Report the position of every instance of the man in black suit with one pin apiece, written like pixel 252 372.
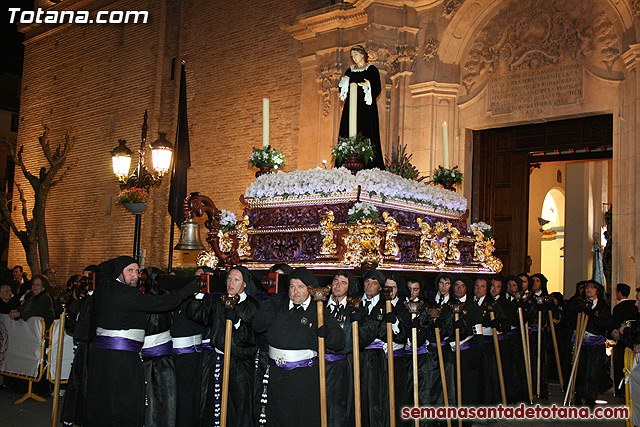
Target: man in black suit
pixel 624 311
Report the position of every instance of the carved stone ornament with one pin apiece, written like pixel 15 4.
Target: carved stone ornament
pixel 391 248
pixel 530 35
pixel 450 7
pixel 363 244
pixel 392 59
pixel 328 78
pixel 430 49
pixel 242 231
pixel 483 251
pixel 635 6
pixel 327 228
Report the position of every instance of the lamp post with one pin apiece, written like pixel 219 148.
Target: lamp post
pixel 161 153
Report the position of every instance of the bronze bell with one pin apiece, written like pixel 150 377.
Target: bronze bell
pixel 190 237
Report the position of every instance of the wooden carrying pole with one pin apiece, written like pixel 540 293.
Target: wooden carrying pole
pixel 229 304
pixel 414 308
pixel 456 310
pixel 525 350
pixel 355 304
pixel 496 346
pixel 391 377
pixel 538 360
pixel 435 313
pixel 56 386
pixel 581 327
pixel 555 350
pixel 320 296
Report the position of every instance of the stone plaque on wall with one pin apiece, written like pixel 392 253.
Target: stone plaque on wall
pixel 532 91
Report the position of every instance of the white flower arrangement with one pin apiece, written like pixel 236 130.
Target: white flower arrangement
pixel 363 210
pixel 266 156
pixel 484 228
pixel 328 182
pixel 227 220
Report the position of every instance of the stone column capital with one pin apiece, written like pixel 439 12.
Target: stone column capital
pixel 631 57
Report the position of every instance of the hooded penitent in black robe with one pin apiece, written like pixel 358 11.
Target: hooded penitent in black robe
pixel 294 394
pixel 116 377
pixel 211 313
pixel 78 323
pixel 158 364
pixel 592 353
pixel 367 118
pixel 373 361
pixel 339 365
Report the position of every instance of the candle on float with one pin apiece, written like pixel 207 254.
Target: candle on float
pixel 353 109
pixel 265 122
pixel 445 144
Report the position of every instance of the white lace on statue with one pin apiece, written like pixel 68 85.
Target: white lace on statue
pixel 344 87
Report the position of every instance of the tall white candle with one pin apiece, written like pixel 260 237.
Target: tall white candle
pixel 265 122
pixel 445 144
pixel 353 109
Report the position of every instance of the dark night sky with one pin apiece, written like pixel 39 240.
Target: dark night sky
pixel 11 49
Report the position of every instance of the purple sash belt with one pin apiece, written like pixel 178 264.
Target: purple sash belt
pixel 292 365
pixel 376 345
pixel 592 340
pixel 185 350
pixel 422 350
pixel 466 345
pixel 329 357
pixel 116 343
pixel 158 350
pixel 442 344
pixel 206 345
pixel 401 352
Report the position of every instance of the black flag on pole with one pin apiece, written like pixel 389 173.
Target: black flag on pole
pixel 181 156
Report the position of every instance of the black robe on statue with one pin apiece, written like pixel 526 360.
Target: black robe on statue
pixel 367 122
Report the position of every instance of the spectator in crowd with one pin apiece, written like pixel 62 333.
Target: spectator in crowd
pixel 623 312
pixel 19 285
pixel 8 301
pixel 37 303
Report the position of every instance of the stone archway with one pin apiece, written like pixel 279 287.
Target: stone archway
pixel 522 62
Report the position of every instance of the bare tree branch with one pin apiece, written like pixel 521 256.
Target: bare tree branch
pixel 55 181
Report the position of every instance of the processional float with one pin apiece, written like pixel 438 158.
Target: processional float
pixel 425 233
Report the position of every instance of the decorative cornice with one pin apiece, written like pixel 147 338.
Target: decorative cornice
pixel 434 88
pixel 343 17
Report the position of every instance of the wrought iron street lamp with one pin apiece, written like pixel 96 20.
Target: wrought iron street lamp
pixel 141 177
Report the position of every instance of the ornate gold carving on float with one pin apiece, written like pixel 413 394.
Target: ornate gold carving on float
pixel 425 251
pixel 363 244
pixel 483 251
pixel 439 243
pixel 327 227
pixel 242 232
pixel 226 241
pixel 391 248
pixel 207 258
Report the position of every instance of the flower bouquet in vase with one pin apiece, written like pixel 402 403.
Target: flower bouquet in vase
pixel 134 199
pixel 266 159
pixel 353 152
pixel 447 177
